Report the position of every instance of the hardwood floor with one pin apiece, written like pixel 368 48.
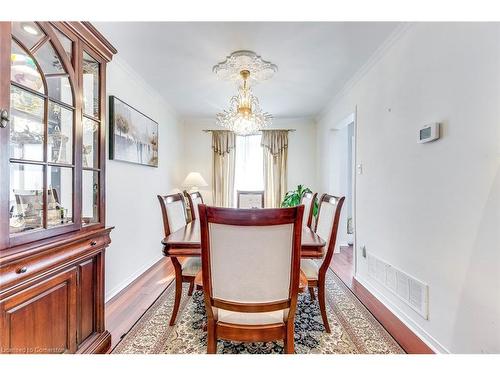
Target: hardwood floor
pixel 343 266
pixel 123 310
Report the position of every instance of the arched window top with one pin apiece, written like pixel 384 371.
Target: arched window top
pixel 36 64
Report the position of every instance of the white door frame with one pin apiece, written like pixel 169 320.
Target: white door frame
pixel 354 178
pixel 352 119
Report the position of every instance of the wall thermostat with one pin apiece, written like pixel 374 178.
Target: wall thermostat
pixel 428 133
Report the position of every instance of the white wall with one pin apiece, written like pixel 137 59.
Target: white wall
pixel 432 210
pixel 131 203
pixel 197 151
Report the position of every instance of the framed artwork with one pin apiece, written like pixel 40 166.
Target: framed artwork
pixel 133 136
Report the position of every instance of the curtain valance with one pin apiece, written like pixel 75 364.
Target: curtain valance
pixel 223 141
pixel 274 140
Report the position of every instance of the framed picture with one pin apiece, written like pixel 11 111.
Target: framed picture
pixel 133 136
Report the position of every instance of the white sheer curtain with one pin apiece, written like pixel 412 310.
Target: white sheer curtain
pixel 249 173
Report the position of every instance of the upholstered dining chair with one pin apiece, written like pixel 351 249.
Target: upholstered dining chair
pixel 174 218
pixel 327 226
pixel 251 268
pixel 308 200
pixel 194 199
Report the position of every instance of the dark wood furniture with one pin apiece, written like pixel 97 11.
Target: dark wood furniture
pixel 243 195
pixel 194 200
pixel 52 102
pixel 190 268
pixel 308 200
pixel 327 225
pixel 186 242
pixel 240 297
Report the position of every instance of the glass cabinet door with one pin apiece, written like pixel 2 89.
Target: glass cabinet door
pixel 51 141
pixel 41 137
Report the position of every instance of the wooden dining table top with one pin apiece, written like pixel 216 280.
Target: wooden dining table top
pixel 186 242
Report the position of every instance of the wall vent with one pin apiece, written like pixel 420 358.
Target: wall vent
pixel 410 290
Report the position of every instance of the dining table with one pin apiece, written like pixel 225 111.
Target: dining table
pixel 186 242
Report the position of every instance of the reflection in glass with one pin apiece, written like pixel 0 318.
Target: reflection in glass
pixel 90 86
pixel 59 196
pixel 49 60
pixel 65 42
pixel 90 141
pixel 25 197
pixel 90 197
pixel 60 134
pixel 23 69
pixel 28 33
pixel 59 88
pixel 26 125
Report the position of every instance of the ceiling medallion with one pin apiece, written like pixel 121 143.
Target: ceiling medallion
pixel 244 115
pixel 231 68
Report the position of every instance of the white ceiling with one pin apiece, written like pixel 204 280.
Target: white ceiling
pixel 314 60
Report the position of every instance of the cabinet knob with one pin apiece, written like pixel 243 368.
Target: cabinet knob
pixel 4 118
pixel 93 243
pixel 22 270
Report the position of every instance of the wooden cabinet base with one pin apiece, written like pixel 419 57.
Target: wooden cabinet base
pixel 56 304
pixel 98 344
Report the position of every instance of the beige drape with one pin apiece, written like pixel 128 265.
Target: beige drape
pixel 223 143
pixel 275 148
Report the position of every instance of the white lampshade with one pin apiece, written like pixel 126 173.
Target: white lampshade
pixel 194 180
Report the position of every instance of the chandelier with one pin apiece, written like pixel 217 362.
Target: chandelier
pixel 244 115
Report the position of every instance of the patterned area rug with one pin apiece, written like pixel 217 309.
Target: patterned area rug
pixel 354 329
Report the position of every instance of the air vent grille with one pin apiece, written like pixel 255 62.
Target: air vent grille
pixel 410 290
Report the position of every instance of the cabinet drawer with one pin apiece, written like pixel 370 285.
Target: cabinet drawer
pixel 41 318
pixel 22 270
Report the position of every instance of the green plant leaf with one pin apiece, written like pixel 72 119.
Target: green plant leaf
pixel 292 198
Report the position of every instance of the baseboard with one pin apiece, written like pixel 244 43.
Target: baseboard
pixel 129 280
pixel 416 329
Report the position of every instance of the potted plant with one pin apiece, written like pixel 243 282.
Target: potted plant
pixel 292 198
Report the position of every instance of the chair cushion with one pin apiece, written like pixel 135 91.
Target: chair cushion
pixel 250 264
pixel 234 317
pixel 310 268
pixel 191 266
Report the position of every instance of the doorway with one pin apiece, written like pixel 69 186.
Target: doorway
pixel 343 183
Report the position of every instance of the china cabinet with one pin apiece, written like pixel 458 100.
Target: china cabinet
pixel 52 194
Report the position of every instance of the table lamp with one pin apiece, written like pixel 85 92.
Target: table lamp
pixel 193 181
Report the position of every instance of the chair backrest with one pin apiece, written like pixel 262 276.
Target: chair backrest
pixel 308 200
pixel 173 212
pixel 251 258
pixel 327 224
pixel 194 199
pixel 250 199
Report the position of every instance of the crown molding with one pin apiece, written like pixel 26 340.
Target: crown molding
pixel 380 52
pixel 99 43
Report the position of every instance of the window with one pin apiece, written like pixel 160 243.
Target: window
pixel 249 167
